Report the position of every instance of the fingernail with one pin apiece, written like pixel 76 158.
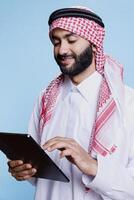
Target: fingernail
pixel 28 166
pixel 34 170
pixel 49 149
pixel 44 146
pixel 20 162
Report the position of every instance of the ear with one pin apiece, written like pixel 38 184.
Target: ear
pixel 94 48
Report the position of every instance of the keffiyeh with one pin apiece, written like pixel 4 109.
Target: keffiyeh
pixel 92 29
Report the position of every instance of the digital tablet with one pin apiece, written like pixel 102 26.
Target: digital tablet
pixel 18 146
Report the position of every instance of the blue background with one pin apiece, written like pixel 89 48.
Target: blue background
pixel 27 64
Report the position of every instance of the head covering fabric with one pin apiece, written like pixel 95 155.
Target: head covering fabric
pixel 75 12
pixel 88 30
pixel 101 140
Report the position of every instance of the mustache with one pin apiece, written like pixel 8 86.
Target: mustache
pixel 64 56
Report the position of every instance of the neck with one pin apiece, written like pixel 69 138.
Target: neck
pixel 86 73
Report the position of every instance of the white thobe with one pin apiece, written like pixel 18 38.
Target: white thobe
pixel 73 117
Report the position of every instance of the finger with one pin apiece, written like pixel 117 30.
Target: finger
pixel 59 145
pixel 67 152
pixel 14 163
pixel 23 178
pixel 20 168
pixel 55 140
pixel 24 174
pixel 20 178
pixel 50 142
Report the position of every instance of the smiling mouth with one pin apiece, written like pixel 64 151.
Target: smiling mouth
pixel 65 60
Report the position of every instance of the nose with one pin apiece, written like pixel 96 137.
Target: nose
pixel 63 48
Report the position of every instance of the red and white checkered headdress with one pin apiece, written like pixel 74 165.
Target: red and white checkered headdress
pixel 89 26
pixel 86 28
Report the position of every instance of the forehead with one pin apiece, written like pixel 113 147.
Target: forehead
pixel 60 33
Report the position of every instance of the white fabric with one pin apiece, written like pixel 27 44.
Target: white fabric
pixel 113 74
pixel 114 178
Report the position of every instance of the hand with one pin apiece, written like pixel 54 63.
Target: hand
pixel 74 153
pixel 20 171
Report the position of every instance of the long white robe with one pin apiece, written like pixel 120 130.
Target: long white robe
pixel 73 117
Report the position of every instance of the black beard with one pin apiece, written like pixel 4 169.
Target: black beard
pixel 82 62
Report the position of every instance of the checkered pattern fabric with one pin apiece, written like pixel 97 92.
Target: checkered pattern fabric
pixel 94 33
pixel 48 101
pixel 89 30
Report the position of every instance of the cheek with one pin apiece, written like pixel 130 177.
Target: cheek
pixel 84 47
pixel 78 49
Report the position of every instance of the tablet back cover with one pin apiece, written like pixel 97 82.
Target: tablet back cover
pixel 18 146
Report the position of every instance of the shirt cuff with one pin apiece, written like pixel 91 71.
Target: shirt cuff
pixel 103 180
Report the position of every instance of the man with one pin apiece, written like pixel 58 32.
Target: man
pixel 84 118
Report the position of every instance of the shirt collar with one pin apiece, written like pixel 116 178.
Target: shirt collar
pixel 87 87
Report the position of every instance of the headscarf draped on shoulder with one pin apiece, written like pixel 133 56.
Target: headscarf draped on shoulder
pixel 88 25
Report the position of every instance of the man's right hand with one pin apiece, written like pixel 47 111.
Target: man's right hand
pixel 21 171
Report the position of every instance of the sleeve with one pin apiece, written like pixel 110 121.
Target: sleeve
pixel 115 180
pixel 33 127
pixel 112 180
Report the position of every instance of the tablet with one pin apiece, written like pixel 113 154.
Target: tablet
pixel 19 146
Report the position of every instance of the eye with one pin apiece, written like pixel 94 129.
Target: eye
pixel 55 42
pixel 72 39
